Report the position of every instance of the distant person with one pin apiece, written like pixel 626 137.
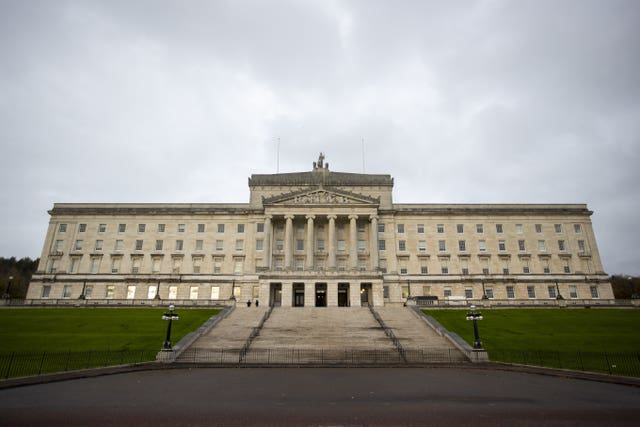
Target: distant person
pixel 248 303
pixel 257 303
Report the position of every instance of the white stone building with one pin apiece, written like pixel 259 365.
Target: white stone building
pixel 320 238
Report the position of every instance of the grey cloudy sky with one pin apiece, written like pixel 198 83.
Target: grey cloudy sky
pixel 460 101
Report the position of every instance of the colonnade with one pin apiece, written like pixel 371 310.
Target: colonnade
pixel 331 251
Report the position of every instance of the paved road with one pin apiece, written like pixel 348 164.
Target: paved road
pixel 324 396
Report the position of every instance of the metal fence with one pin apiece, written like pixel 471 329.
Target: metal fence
pixel 626 364
pixel 32 364
pixel 320 357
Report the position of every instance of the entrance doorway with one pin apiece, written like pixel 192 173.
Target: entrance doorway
pixel 321 294
pixel 275 295
pixel 365 295
pixel 298 294
pixel 343 295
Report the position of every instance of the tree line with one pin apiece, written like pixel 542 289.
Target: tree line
pixel 15 275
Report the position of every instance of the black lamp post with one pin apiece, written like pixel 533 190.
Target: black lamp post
pixel 158 291
pixel 558 296
pixel 7 293
pixel 475 316
pixel 170 316
pixel 84 287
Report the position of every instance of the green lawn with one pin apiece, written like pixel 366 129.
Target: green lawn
pixel 95 329
pixel 603 340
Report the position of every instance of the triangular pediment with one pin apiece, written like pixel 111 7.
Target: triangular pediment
pixel 321 196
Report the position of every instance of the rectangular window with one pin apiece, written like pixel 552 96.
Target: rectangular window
pixel 131 292
pixel 200 228
pixel 240 228
pixel 557 228
pixel 479 228
pixel 362 264
pixel 179 245
pixel 82 228
pixel 442 245
pixel 102 228
pixel 298 264
pixel 531 292
pixel 510 292
pixel 341 245
pixel 402 245
pixel 135 265
pixel 465 271
pixel 538 228
pixel 400 228
pixel 519 229
pixel 440 228
pixel 66 291
pixel 468 293
pixel 173 292
pixel 239 244
pixel 199 245
pixel 78 245
pixel 46 291
pixel 362 246
pixel 420 229
pixel 219 245
pixel 552 291
pixel 594 291
pixel 260 227
pixel 447 292
pixel 99 244
pixel 122 228
pixel 489 292
pixel 403 270
pixel 577 228
pixel 155 265
pixel 573 291
pixel 279 245
pixel 545 266
pixel 193 292
pixel 405 291
pixel 482 245
pixel 561 246
pixel 380 228
pixel 217 265
pixel 444 269
pixel 62 228
pixel 151 291
pixel 499 229
pixel 141 228
pixel 259 244
pixel 110 290
pixel 383 266
pixel 381 245
pixel 94 265
pixel 74 264
pixel 567 267
pixel 161 228
pixel 220 228
pixel 57 246
pixel 320 245
pixel 462 245
pixel 460 228
pixel 385 292
pixel 138 245
pixel 542 246
pixel 424 269
pixel 299 244
pixel 159 244
pixel 88 291
pixel 581 246
pixel 237 266
pixel 422 246
pixel 215 292
pixel 521 246
pixel 115 264
pixel 256 292
pixel 502 246
pixel 181 228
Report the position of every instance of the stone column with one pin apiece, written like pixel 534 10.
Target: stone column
pixel 310 245
pixel 354 294
pixel 288 242
pixel 353 242
pixel 373 245
pixel 267 242
pixel 332 294
pixel 331 259
pixel 309 294
pixel 287 294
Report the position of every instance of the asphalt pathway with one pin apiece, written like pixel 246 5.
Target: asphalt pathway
pixel 321 397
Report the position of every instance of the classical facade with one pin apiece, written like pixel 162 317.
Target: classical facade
pixel 320 238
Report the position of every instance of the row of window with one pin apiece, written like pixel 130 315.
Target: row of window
pixel 482 245
pixel 180 228
pixel 159 245
pixel 151 292
pixel 519 228
pixel 531 292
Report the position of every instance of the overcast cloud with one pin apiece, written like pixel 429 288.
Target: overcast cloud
pixel 460 101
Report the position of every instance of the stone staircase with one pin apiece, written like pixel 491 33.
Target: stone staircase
pixel 321 335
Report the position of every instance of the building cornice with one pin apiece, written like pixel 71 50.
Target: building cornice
pixel 153 209
pixel 488 209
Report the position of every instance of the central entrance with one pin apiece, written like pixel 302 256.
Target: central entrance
pixel 275 295
pixel 321 294
pixel 298 294
pixel 343 295
pixel 365 294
